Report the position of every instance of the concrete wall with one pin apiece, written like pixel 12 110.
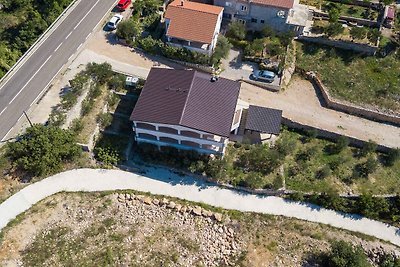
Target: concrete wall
pixel 348 108
pixel 359 48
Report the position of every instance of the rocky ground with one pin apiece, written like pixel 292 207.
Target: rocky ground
pixel 130 229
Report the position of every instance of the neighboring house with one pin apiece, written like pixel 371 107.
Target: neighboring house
pixel 187 109
pixel 281 15
pixel 192 25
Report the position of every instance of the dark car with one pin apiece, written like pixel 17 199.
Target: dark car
pixel 123 4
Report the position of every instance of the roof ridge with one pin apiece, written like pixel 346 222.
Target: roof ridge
pixel 196 10
pixel 187 97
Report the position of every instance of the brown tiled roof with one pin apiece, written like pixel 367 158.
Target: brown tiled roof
pixel 287 4
pixel 188 98
pixel 264 120
pixel 192 21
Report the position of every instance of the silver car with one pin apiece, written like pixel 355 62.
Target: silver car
pixel 112 24
pixel 264 75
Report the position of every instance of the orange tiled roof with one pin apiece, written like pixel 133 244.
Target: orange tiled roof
pixel 192 21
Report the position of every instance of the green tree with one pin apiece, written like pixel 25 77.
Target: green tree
pixel 373 35
pixel 358 33
pixel 334 14
pixel 334 29
pixel 221 50
pixel 255 48
pixel 344 255
pixel 128 30
pixel 268 31
pixel 372 207
pixel 368 148
pixel 42 150
pixel 341 143
pixel 392 156
pixel 237 30
pixel 100 73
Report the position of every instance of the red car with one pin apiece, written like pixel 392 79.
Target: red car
pixel 123 4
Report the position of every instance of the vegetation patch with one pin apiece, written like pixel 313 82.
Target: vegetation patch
pixel 362 80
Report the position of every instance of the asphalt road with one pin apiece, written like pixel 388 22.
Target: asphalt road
pixel 25 86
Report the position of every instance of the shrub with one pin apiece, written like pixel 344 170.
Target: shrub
pixel 372 207
pixel 41 150
pixel 373 35
pixel 368 148
pixel 334 29
pixel 117 82
pixel 221 50
pixel 100 73
pixel 94 91
pixel 68 100
pixel 323 173
pixel 76 125
pixel 107 155
pixel 253 180
pixel 57 118
pixel 268 31
pixel 366 168
pixel 392 156
pixel 236 30
pixel 341 143
pixel 255 48
pixel 343 254
pixel 87 106
pixel 128 30
pixel 358 33
pixel 104 119
pixel 112 100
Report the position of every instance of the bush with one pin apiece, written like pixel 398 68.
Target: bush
pixel 107 156
pixel 76 125
pixel 100 73
pixel 255 48
pixel 368 148
pixel 373 35
pixel 341 143
pixel 334 29
pixel 358 33
pixel 42 150
pixel 221 50
pixel 253 180
pixel 57 118
pixel 87 106
pixel 365 169
pixel 104 119
pixel 392 156
pixel 236 30
pixel 112 100
pixel 128 30
pixel 117 82
pixel 68 100
pixel 343 254
pixel 323 173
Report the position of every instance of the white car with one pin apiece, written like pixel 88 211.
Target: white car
pixel 112 24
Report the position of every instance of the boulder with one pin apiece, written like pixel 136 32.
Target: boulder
pixel 147 200
pixel 197 211
pixel 217 217
pixel 171 205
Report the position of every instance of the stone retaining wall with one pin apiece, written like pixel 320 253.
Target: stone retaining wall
pixel 348 108
pixel 359 48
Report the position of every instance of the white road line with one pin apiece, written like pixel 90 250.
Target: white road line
pixel 3 110
pixel 79 46
pixel 70 57
pixel 90 10
pixel 69 34
pixel 4 138
pixel 33 76
pixel 58 47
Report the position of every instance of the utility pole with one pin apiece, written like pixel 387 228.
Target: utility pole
pixel 26 115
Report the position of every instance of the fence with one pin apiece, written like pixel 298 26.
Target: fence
pixel 348 108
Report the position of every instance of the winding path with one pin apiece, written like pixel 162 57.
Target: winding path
pixel 189 189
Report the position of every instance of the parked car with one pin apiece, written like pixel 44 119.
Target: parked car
pixel 123 4
pixel 263 75
pixel 112 24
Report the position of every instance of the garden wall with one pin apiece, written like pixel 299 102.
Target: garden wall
pixel 207 69
pixel 348 108
pixel 360 21
pixel 268 86
pixel 360 48
pixel 332 136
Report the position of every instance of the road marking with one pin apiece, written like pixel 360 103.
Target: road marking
pixel 58 47
pixel 90 10
pixel 33 76
pixel 3 110
pixel 79 46
pixel 69 34
pixel 70 57
pixel 4 138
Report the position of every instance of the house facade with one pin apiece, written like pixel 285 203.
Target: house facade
pixel 187 110
pixel 193 25
pixel 281 15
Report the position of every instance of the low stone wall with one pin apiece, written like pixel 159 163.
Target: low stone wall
pixel 359 3
pixel 348 108
pixel 360 48
pixel 332 136
pixel 207 69
pixel 360 21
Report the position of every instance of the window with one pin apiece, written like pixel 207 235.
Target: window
pixel 242 21
pixel 262 21
pixel 253 20
pixel 243 8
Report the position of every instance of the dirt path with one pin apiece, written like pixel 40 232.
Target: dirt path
pixel 300 103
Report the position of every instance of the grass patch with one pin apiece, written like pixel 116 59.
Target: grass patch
pixel 351 77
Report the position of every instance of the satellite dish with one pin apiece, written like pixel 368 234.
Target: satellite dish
pixel 281 13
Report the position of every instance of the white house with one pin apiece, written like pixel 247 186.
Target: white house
pixel 281 15
pixel 192 25
pixel 187 109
